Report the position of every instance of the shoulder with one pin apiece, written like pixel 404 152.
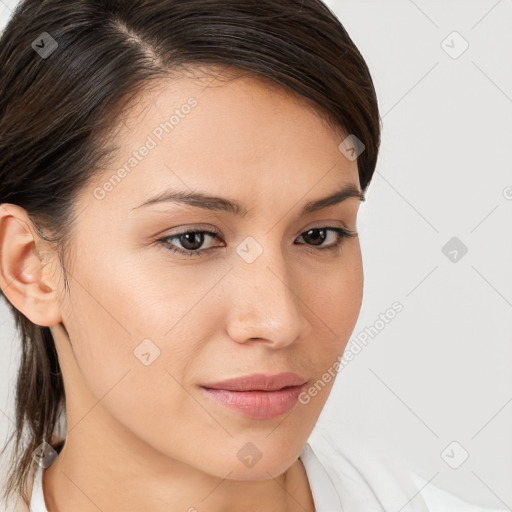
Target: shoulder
pixel 358 470
pixel 439 500
pixel 364 476
pixel 18 505
pixel 34 477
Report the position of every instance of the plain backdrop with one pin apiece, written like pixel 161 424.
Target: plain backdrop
pixel 435 383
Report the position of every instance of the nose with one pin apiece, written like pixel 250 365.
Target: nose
pixel 265 301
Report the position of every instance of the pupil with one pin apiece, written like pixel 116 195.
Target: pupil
pixel 187 243
pixel 318 230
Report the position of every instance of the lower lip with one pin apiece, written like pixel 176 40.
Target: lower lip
pixel 257 404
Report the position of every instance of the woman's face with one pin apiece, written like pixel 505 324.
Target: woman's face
pixel 149 326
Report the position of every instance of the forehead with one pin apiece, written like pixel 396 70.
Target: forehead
pixel 211 132
pixel 232 96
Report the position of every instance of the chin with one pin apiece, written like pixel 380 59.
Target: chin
pixel 253 463
pixel 258 472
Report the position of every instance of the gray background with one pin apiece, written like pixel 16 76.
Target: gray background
pixel 440 371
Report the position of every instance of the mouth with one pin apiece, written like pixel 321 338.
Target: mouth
pixel 259 382
pixel 257 396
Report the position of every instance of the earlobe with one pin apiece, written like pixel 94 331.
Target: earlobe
pixel 23 277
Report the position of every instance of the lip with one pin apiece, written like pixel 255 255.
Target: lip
pixel 259 382
pixel 258 396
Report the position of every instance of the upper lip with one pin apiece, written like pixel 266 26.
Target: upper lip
pixel 259 381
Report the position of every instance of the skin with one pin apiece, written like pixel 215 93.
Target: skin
pixel 145 438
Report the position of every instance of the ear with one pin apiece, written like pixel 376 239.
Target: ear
pixel 26 281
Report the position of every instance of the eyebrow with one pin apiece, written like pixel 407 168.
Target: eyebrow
pixel 216 203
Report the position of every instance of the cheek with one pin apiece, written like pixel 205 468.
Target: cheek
pixel 335 295
pixel 115 328
pixel 142 391
pixel 136 336
pixel 151 404
pixel 334 300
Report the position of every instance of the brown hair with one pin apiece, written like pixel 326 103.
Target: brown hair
pixel 58 112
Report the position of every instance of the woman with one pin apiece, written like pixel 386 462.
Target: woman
pixel 180 183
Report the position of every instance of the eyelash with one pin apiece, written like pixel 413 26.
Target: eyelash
pixel 336 247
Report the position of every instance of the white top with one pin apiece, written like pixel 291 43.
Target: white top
pixel 339 484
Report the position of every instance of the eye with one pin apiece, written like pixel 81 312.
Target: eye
pixel 191 241
pixel 319 234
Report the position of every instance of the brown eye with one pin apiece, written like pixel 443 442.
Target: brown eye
pixel 190 242
pixel 316 236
